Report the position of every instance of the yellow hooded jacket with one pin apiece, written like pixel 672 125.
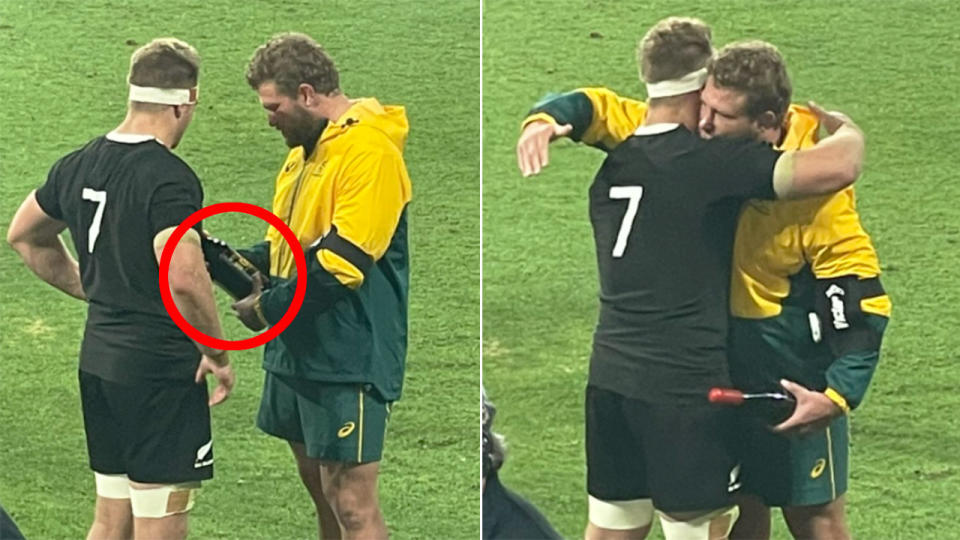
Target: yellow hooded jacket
pixel 346 203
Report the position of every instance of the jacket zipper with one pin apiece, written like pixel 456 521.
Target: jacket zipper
pixel 293 199
pixel 296 191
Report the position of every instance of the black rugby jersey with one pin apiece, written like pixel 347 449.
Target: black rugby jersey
pixel 663 208
pixel 115 194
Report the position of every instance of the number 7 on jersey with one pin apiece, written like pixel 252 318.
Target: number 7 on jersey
pixel 633 194
pixel 99 197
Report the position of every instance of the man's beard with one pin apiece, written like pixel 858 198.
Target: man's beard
pixel 306 133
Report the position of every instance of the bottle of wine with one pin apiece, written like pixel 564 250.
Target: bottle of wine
pixel 228 269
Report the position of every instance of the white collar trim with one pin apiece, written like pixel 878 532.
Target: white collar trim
pixel 131 138
pixel 655 129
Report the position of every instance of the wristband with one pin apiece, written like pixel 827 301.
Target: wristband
pixel 839 400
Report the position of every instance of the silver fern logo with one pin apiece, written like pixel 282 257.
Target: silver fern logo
pixel 204 455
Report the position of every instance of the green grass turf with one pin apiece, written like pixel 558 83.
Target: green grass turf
pixel 892 67
pixel 63 70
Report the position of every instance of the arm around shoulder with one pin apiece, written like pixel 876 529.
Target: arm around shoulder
pixel 831 165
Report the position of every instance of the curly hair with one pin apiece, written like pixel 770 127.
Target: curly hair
pixel 291 59
pixel 757 69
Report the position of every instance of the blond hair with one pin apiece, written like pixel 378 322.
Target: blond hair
pixel 163 63
pixel 673 48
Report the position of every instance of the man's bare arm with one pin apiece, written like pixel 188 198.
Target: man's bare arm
pixel 191 287
pixel 36 237
pixel 831 165
pixel 192 292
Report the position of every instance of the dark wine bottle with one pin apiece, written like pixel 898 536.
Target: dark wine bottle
pixel 228 269
pixel 771 409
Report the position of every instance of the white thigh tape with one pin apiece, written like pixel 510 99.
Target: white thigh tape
pixel 620 515
pixel 112 486
pixel 162 501
pixel 714 525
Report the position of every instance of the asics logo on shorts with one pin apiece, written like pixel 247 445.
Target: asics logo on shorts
pixel 204 457
pixel 818 468
pixel 346 430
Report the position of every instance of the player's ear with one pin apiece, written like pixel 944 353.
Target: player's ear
pixel 307 94
pixel 767 120
pixel 177 111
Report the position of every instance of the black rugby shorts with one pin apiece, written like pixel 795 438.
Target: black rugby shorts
pixel 681 456
pixel 153 433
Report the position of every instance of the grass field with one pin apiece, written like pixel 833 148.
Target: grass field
pixel 63 83
pixel 891 66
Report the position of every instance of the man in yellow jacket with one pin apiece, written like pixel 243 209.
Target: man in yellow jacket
pixel 343 190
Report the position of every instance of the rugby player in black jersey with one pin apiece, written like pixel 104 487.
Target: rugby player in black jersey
pixel 144 398
pixel 663 208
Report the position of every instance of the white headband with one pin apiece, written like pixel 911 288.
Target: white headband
pixel 163 96
pixel 674 87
